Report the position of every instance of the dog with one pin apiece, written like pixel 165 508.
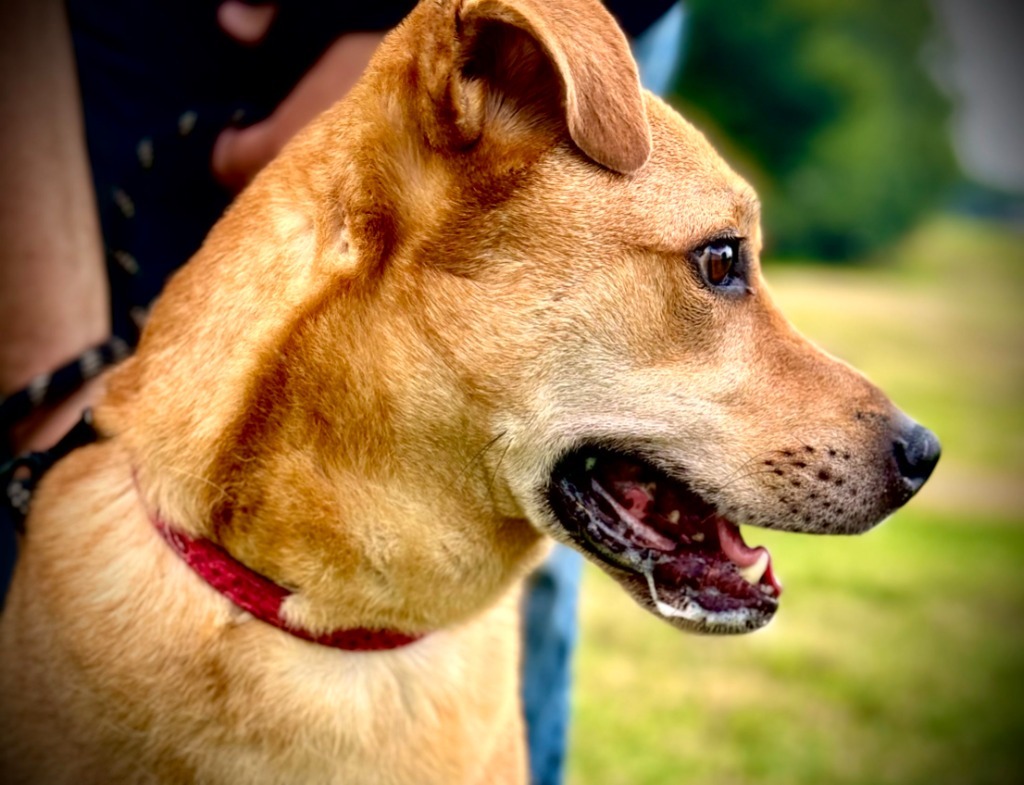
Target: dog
pixel 498 296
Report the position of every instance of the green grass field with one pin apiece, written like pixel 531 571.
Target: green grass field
pixel 896 657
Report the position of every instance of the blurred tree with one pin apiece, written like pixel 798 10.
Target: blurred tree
pixel 828 109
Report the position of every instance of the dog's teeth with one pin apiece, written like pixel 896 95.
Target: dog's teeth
pixel 663 607
pixel 673 517
pixel 590 464
pixel 698 537
pixel 756 571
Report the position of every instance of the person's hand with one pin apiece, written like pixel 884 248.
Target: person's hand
pixel 240 153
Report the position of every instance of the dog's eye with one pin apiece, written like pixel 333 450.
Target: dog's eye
pixel 717 260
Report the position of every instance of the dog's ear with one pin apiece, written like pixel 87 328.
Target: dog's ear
pixel 569 61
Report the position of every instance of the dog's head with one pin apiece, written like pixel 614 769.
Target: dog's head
pixel 598 285
pixel 540 309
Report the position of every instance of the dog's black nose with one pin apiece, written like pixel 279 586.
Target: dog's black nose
pixel 917 450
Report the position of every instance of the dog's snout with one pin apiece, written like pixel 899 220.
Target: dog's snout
pixel 916 450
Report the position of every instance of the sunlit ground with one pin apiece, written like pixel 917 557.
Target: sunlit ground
pixel 896 657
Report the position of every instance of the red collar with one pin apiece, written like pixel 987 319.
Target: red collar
pixel 261 597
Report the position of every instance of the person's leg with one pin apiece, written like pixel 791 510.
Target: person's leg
pixel 659 51
pixel 549 641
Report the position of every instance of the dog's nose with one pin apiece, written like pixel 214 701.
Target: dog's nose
pixel 916 450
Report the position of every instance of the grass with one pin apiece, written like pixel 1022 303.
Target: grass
pixel 897 657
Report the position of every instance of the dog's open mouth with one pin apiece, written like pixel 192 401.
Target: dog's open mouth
pixel 666 544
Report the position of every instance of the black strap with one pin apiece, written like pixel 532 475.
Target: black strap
pixel 20 475
pixel 47 389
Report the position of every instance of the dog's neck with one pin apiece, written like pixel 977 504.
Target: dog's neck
pixel 322 473
pixel 264 599
pixel 288 405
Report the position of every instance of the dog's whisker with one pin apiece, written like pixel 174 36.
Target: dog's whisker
pixel 497 467
pixel 193 476
pixel 473 461
pixel 740 471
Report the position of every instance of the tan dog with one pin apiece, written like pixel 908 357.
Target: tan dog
pixel 497 293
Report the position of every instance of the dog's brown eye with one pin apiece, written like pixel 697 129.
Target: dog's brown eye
pixel 717 260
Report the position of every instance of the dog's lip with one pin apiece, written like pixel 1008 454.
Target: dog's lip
pixel 658 537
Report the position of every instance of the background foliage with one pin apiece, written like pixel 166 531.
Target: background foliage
pixel 828 109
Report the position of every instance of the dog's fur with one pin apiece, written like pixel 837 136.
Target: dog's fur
pixel 359 386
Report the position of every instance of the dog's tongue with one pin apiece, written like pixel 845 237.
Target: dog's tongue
pixel 741 554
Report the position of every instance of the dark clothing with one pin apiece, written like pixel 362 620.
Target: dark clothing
pixel 160 80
